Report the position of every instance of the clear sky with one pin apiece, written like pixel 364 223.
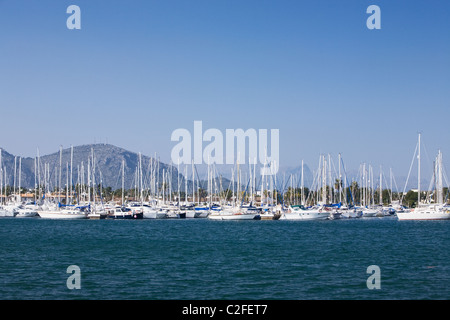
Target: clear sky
pixel 137 70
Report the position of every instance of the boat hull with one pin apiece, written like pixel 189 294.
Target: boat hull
pixel 126 216
pixel 62 215
pixel 24 213
pixel 305 215
pixel 155 215
pixel 369 213
pixel 270 216
pixel 235 216
pixel 424 215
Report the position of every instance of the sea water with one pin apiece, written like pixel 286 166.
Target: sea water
pixel 204 259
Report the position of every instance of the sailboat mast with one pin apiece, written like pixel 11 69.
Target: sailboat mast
pixel 1 178
pixel 35 186
pixel 193 183
pixel 60 173
pixel 418 175
pixel 71 172
pixel 20 176
pixel 178 182
pixel 381 186
pixel 39 172
pixel 67 183
pixel 185 184
pixel 123 180
pixel 390 181
pixel 340 178
pixel 303 192
pixel 15 170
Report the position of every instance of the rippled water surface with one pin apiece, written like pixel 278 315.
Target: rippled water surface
pixel 204 259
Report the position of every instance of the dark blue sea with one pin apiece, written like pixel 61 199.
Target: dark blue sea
pixel 237 260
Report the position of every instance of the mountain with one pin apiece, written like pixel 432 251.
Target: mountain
pixel 107 160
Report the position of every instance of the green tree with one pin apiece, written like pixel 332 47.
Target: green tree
pixel 410 199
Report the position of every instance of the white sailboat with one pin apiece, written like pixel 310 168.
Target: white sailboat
pixel 436 211
pixel 63 214
pixel 317 212
pixel 298 213
pixel 235 213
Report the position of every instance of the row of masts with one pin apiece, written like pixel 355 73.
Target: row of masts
pixel 330 185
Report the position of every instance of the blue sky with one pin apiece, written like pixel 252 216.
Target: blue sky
pixel 137 70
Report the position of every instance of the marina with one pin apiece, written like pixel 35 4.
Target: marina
pixel 215 156
pixel 330 196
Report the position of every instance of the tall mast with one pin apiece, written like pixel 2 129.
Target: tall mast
pixel 15 170
pixel 123 180
pixel 324 180
pixel 439 191
pixel 232 184
pixel 390 182
pixel 329 180
pixel 418 180
pixel 262 183
pixel 178 182
pixel 35 179
pixel 193 183
pixel 141 186
pixel 303 193
pixel 1 177
pixel 67 183
pixel 340 178
pixel 185 184
pixel 381 187
pixel 71 172
pixel 60 173
pixel 20 175
pixel 39 173
pixel 93 177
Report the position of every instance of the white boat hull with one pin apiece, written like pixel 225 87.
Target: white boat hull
pixel 369 213
pixel 62 215
pixel 25 213
pixel 234 216
pixel 305 215
pixel 424 214
pixel 155 215
pixel 351 214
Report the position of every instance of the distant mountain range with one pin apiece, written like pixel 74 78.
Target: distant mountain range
pixel 107 160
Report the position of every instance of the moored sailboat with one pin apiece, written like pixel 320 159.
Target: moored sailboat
pixel 436 211
pixel 63 214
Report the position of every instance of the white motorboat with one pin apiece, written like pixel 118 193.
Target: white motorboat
pixel 370 212
pixel 155 213
pixel 121 212
pixel 26 213
pixel 351 213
